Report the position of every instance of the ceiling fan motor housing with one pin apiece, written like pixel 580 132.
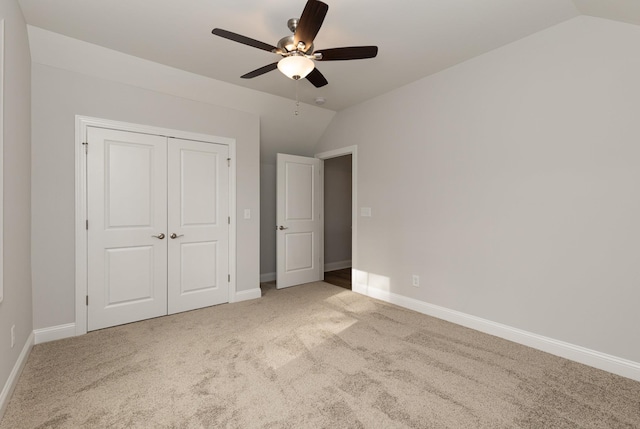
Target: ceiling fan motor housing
pixel 287 44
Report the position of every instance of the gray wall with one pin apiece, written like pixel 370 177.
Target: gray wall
pixel 510 184
pixel 337 209
pixel 59 95
pixel 267 219
pixel 16 307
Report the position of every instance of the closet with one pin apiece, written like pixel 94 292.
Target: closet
pixel 157 228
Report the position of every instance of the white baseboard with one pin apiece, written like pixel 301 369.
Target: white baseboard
pixel 10 385
pixel 55 333
pixel 246 295
pixel 613 364
pixel 340 265
pixel 267 277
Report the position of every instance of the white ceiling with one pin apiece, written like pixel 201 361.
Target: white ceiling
pixel 416 38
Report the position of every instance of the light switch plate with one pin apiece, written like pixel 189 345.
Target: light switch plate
pixel 247 213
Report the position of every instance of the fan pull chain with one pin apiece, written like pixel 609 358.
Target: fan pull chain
pixel 297 112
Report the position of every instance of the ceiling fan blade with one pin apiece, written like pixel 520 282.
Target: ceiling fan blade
pixel 242 39
pixel 316 78
pixel 310 22
pixel 350 53
pixel 260 71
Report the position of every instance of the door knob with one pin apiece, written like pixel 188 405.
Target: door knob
pixel 282 227
pixel 160 236
pixel 173 236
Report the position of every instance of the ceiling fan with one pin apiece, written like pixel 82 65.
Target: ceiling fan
pixel 297 49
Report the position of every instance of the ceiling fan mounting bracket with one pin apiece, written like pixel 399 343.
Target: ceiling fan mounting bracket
pixel 292 24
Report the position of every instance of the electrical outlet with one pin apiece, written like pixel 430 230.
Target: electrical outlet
pixel 415 280
pixel 13 335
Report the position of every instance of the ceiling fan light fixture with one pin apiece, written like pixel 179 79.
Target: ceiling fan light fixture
pixel 296 66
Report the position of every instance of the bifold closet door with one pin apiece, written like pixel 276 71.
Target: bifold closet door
pixel 127 215
pixel 198 232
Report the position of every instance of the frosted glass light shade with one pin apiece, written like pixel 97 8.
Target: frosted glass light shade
pixel 296 66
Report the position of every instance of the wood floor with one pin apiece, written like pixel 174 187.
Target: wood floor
pixel 340 278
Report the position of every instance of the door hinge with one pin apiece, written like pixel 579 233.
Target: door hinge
pixel 229 162
pixel 229 220
pixel 229 278
pixel 87 224
pixel 86 147
pixel 87 299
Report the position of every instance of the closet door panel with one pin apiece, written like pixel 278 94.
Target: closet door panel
pixel 198 177
pixel 127 214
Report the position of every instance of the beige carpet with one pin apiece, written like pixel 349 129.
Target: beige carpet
pixel 313 356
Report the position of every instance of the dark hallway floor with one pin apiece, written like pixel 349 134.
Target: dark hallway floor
pixel 340 278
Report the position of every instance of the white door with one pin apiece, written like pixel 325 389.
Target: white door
pixel 198 225
pixel 127 208
pixel 298 220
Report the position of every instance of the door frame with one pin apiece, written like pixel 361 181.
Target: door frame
pixel 353 151
pixel 81 233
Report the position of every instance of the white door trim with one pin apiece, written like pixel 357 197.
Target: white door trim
pixel 82 122
pixel 353 151
pixel 1 162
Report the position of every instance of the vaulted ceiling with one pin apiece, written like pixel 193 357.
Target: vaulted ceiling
pixel 416 38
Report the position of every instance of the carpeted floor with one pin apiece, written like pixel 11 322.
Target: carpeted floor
pixel 312 356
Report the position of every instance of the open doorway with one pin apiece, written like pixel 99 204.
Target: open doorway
pixel 300 251
pixel 338 205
